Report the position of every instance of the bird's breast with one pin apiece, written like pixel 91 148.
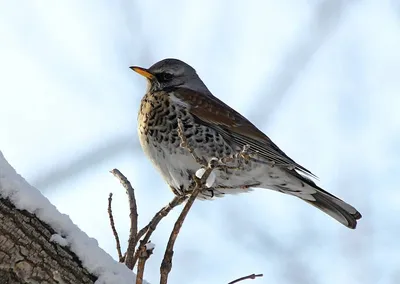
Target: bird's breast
pixel 158 120
pixel 158 134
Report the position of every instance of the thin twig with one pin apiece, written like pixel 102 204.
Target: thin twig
pixel 138 236
pixel 251 276
pixel 133 215
pixel 149 229
pixel 114 230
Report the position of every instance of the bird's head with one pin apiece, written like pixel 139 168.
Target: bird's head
pixel 170 73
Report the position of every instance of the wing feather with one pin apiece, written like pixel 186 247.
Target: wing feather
pixel 214 113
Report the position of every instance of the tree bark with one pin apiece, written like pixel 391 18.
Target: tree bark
pixel 28 256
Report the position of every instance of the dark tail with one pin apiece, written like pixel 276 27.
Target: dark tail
pixel 330 204
pixel 336 208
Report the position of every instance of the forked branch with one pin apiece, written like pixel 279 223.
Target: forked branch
pixel 129 255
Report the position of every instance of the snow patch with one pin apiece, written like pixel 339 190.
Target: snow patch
pixel 211 178
pixel 56 238
pixel 93 258
pixel 150 246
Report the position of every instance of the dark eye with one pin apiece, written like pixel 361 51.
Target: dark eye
pixel 165 77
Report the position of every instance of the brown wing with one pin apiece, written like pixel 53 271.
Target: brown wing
pixel 229 123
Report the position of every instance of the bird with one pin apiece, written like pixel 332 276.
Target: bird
pixel 176 96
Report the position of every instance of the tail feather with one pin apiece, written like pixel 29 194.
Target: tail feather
pixel 330 204
pixel 336 208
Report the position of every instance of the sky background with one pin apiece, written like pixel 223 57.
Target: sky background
pixel 320 77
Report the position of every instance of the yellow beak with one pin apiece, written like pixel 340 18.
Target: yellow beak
pixel 142 71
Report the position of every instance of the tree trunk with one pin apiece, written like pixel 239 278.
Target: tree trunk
pixel 28 256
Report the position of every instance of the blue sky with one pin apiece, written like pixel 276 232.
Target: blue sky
pixel 319 77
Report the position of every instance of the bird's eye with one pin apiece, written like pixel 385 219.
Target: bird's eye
pixel 164 77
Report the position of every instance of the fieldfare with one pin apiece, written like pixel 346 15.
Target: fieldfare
pixel 214 130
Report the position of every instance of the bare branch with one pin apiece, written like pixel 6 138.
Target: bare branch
pixel 132 241
pixel 114 230
pixel 149 229
pixel 144 254
pixel 140 270
pixel 166 264
pixel 142 232
pixel 251 276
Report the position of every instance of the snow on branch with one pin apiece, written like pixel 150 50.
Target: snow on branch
pixel 25 198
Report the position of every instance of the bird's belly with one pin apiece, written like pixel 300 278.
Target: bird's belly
pixel 177 166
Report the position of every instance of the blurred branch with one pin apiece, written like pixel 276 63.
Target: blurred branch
pixel 68 169
pixel 137 31
pixel 96 155
pixel 323 23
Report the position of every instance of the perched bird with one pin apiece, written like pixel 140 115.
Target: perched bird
pixel 213 129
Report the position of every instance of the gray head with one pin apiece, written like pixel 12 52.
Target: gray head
pixel 170 73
